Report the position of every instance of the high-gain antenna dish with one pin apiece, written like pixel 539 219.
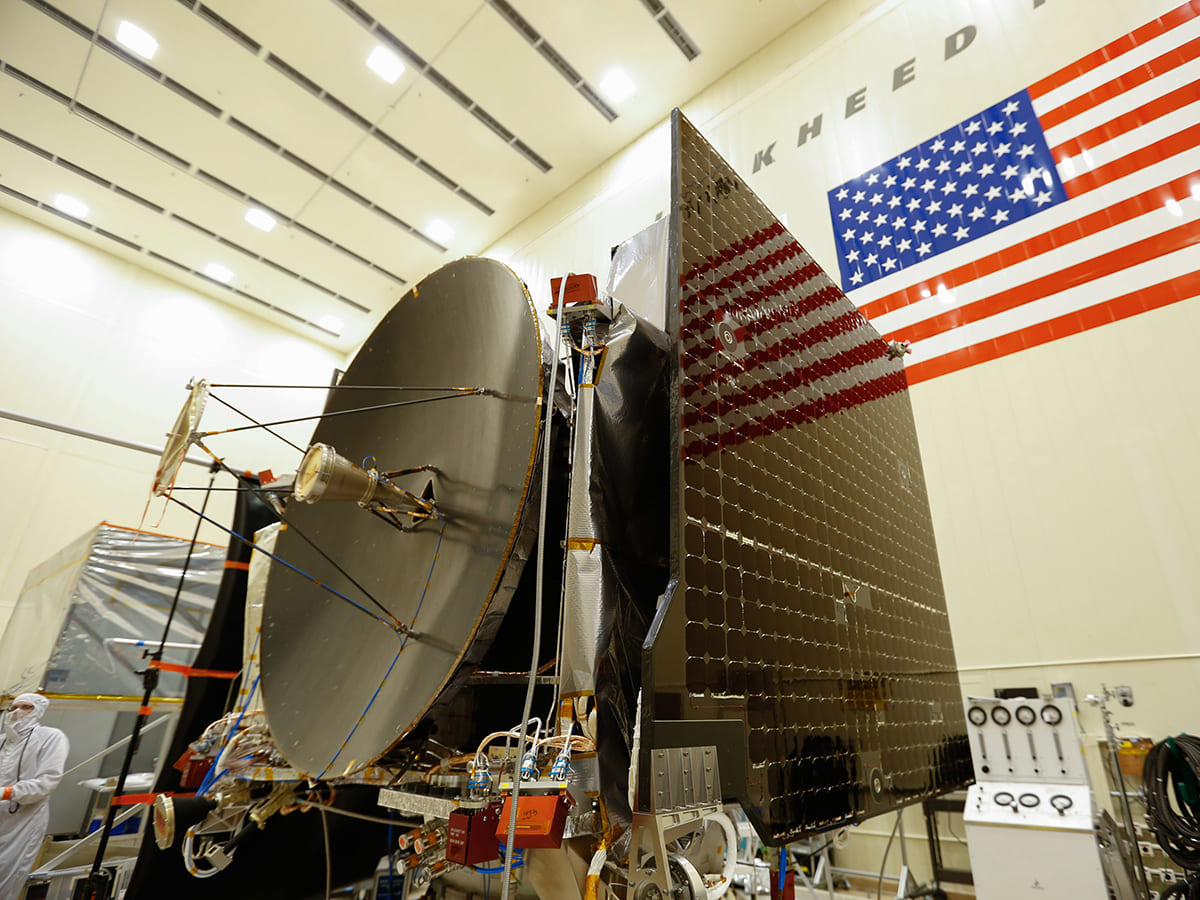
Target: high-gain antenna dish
pixel 429 579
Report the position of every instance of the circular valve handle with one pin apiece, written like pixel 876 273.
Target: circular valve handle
pixel 1061 803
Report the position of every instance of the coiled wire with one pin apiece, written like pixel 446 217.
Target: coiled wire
pixel 1173 798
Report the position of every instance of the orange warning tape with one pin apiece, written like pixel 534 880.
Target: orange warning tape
pixel 145 710
pixel 189 672
pixel 234 564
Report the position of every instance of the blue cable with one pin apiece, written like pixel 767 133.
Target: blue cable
pixel 404 641
pixel 302 573
pixel 205 783
pixel 282 562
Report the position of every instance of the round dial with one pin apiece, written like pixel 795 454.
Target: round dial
pixel 1061 802
pixel 309 472
pixel 977 715
pixel 1004 798
pixel 1029 800
pixel 1026 715
pixel 1001 715
pixel 1051 715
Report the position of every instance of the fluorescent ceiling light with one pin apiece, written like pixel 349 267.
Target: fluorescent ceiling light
pixel 218 272
pixel 616 86
pixel 137 40
pixel 440 231
pixel 72 206
pixel 386 64
pixel 261 220
pixel 332 323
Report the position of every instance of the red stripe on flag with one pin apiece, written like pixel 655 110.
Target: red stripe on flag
pixel 1116 48
pixel 1085 226
pixel 1172 145
pixel 1142 300
pixel 1123 124
pixel 1072 276
pixel 1160 65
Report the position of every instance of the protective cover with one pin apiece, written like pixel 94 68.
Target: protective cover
pixel 111 583
pixel 627 494
pixel 805 634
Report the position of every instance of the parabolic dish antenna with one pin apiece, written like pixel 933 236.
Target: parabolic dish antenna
pixel 341 685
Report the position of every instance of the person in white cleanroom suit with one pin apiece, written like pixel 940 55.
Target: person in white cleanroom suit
pixel 32 757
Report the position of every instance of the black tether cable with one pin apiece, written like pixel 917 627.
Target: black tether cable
pixel 98 883
pixel 1172 788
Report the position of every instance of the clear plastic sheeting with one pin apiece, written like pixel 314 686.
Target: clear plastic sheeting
pixel 86 615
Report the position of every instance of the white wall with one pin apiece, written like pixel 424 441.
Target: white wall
pixel 99 344
pixel 1062 480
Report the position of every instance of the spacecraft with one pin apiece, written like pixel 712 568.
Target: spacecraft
pixel 585 608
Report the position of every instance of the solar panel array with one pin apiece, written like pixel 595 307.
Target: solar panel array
pixel 809 603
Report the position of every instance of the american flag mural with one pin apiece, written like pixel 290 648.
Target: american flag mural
pixel 1069 205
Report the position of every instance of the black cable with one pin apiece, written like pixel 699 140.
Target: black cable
pixel 258 492
pixel 255 421
pixel 1173 798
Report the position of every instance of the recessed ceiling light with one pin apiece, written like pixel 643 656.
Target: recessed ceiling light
pixel 440 231
pixel 137 39
pixel 218 272
pixel 263 221
pixel 616 86
pixel 332 323
pixel 386 64
pixel 72 206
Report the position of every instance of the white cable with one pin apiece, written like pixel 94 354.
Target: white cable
pixel 635 753
pixel 537 593
pixel 345 812
pixel 329 858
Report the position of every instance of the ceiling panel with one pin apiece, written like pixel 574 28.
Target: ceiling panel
pixel 346 222
pixel 466 151
pixel 38 46
pixel 271 103
pixel 499 68
pixel 227 75
pixel 122 218
pixel 410 20
pixel 372 171
pixel 47 127
pixel 320 40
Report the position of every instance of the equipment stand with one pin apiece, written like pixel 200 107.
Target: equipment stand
pixel 98 884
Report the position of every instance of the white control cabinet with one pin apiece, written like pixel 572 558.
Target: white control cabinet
pixel 1030 815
